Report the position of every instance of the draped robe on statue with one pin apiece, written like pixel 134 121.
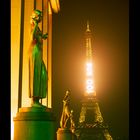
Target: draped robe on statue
pixel 37 70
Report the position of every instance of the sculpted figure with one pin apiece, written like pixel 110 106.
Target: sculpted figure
pixel 37 70
pixel 66 111
pixel 72 121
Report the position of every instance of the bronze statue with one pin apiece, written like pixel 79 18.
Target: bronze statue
pixel 72 121
pixel 66 112
pixel 37 70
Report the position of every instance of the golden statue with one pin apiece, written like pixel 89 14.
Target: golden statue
pixel 37 70
pixel 66 112
pixel 72 121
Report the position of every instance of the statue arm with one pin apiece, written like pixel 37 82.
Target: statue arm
pixel 44 36
pixel 66 97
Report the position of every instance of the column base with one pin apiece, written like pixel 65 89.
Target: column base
pixel 34 123
pixel 64 134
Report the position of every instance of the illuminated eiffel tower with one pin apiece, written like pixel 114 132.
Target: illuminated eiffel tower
pixel 91 125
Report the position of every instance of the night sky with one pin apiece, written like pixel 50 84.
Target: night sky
pixel 109 23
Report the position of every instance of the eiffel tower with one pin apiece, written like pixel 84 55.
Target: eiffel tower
pixel 91 125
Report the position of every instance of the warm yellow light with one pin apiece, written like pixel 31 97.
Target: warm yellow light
pixel 15 37
pixel 89 69
pixel 89 86
pixel 55 5
pixel 90 89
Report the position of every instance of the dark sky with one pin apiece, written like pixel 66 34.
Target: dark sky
pixel 109 23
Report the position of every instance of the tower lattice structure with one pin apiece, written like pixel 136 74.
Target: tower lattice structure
pixel 91 125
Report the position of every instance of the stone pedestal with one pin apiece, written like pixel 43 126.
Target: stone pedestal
pixel 64 134
pixel 34 123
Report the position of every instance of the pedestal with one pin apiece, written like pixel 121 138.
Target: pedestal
pixel 34 123
pixel 64 134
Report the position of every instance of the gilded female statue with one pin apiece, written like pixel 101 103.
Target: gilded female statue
pixel 66 113
pixel 37 70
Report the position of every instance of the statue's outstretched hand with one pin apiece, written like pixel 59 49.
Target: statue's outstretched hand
pixel 45 36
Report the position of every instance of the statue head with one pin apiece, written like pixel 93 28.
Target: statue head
pixel 67 92
pixel 71 112
pixel 36 15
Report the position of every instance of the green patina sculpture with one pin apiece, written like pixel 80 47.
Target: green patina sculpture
pixel 66 113
pixel 37 70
